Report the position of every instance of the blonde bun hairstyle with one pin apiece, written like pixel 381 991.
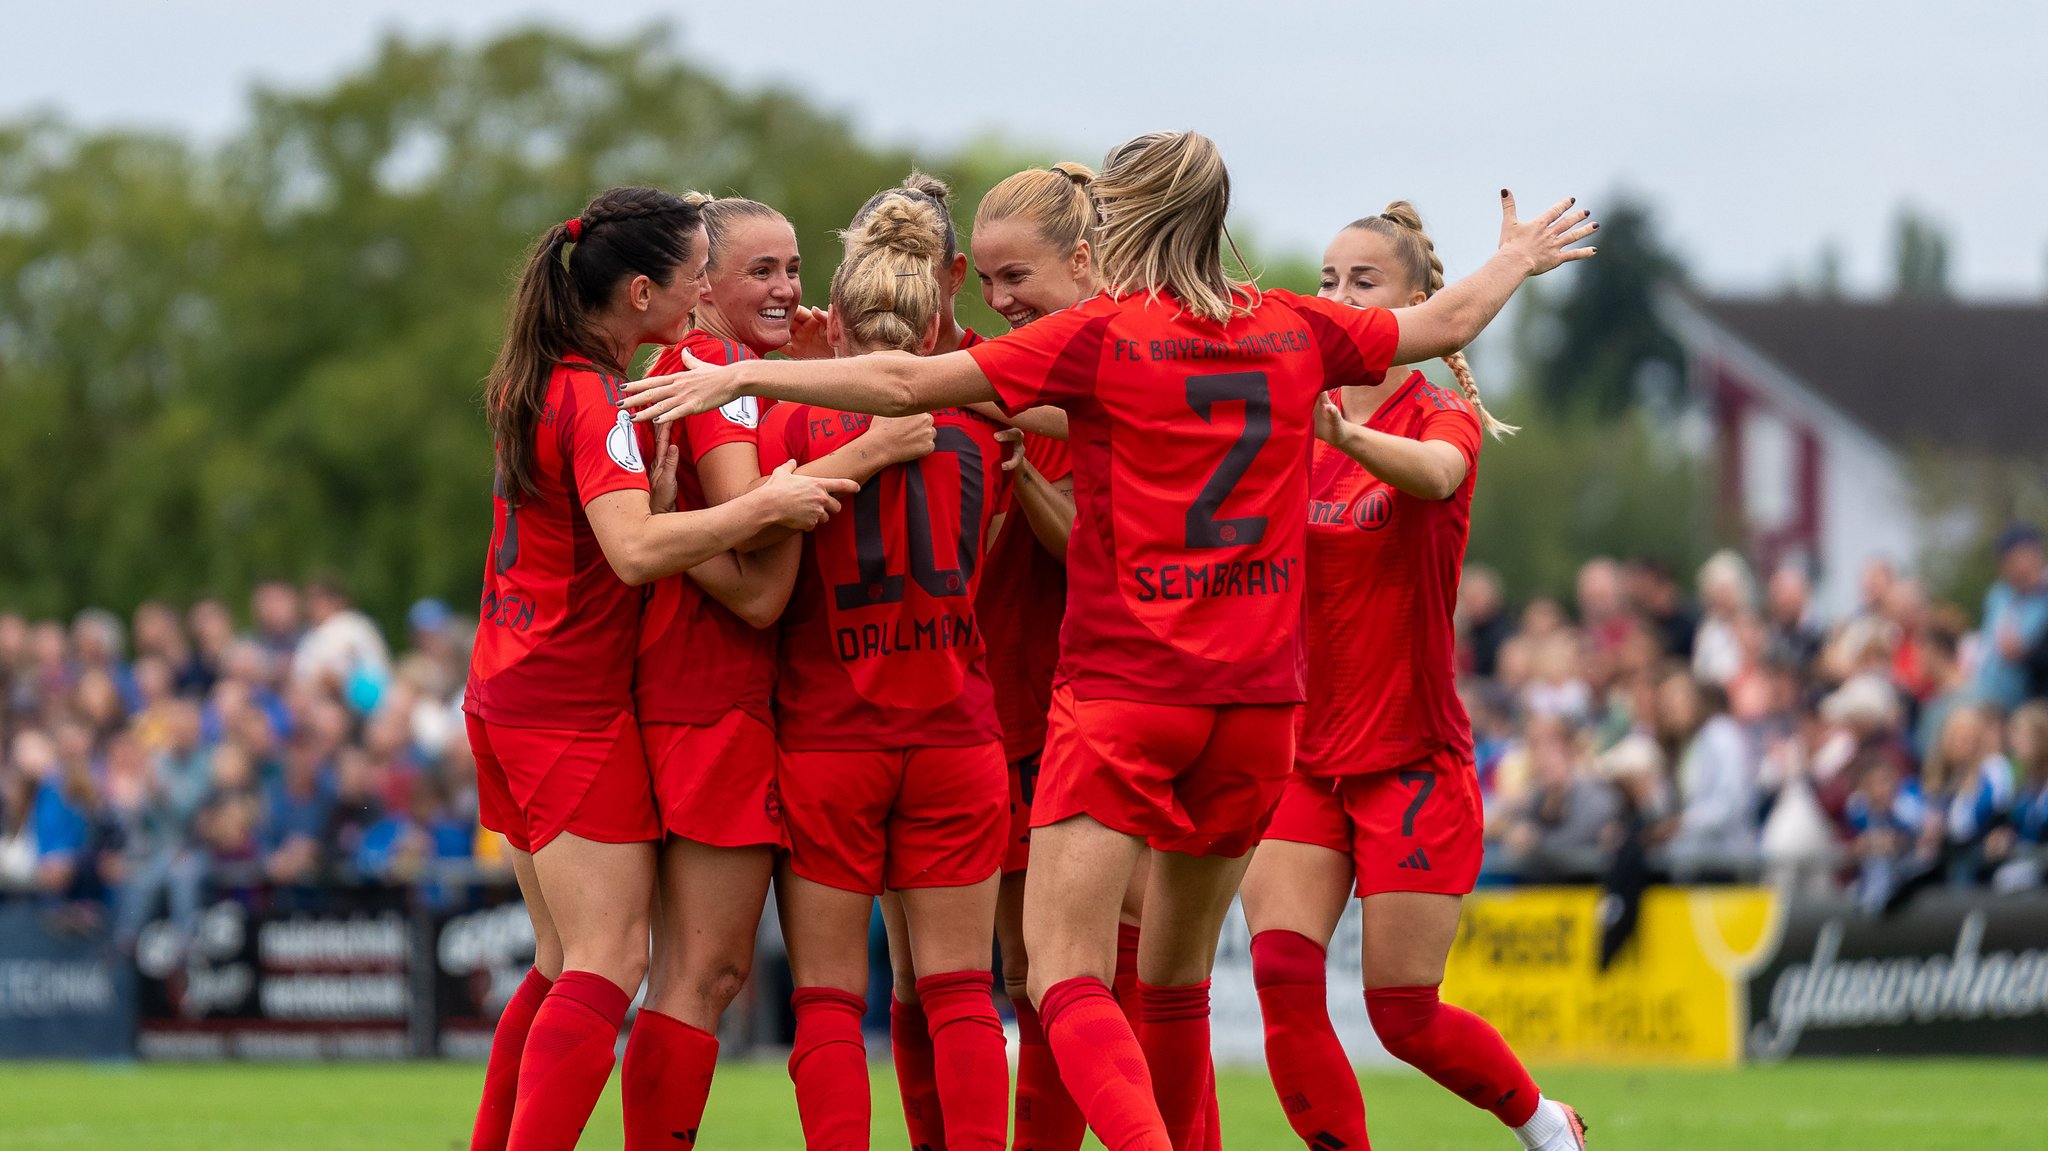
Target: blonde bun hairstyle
pixel 886 291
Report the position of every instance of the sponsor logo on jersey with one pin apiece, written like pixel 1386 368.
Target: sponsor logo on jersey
pixel 623 444
pixel 745 411
pixel 1373 510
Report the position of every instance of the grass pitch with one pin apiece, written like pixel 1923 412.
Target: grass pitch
pixel 1894 1105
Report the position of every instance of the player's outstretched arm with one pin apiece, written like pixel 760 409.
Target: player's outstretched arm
pixel 1455 316
pixel 880 383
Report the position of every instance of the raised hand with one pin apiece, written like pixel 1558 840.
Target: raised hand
pixel 801 502
pixel 699 387
pixel 807 334
pixel 902 439
pixel 661 478
pixel 1547 240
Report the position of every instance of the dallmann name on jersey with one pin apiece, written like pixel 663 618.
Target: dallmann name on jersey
pixel 941 632
pixel 1200 581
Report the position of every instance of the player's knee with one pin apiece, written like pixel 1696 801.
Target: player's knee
pixel 1400 1014
pixel 721 984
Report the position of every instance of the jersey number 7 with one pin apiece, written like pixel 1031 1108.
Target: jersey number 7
pixel 876 585
pixel 1204 530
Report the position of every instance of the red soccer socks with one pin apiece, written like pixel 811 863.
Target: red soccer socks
pixel 1102 1065
pixel 567 1058
pixel 1458 1049
pixel 829 1066
pixel 501 1075
pixel 1047 1118
pixel 910 1038
pixel 1175 1038
pixel 1313 1077
pixel 666 1079
pixel 972 1069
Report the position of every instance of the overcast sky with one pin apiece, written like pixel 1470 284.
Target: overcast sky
pixel 1759 129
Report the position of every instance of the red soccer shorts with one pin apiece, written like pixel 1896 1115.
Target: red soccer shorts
pixel 868 821
pixel 1199 780
pixel 1023 788
pixel 1415 828
pixel 534 783
pixel 715 783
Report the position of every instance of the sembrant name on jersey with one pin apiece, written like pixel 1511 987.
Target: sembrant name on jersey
pixel 941 632
pixel 1201 581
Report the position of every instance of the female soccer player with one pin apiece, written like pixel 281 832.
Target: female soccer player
pixel 892 765
pixel 560 771
pixel 1034 254
pixel 1385 798
pixel 705 676
pixel 1191 400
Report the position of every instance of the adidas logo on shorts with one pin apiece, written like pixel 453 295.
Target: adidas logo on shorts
pixel 1416 860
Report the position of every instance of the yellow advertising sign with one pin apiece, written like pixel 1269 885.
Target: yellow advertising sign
pixel 1528 960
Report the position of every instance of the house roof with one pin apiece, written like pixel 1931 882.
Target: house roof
pixel 1938 373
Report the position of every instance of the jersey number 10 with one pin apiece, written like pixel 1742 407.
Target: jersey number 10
pixel 876 586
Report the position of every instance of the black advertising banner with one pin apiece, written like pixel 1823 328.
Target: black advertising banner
pixel 63 994
pixel 480 957
pixel 325 985
pixel 1950 974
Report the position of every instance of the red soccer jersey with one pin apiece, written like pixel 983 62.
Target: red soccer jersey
pixel 1190 443
pixel 555 644
pixel 881 647
pixel 1383 572
pixel 1023 598
pixel 699 661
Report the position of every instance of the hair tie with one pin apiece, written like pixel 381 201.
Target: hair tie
pixel 574 226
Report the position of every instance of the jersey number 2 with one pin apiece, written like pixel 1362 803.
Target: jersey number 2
pixel 1204 530
pixel 875 585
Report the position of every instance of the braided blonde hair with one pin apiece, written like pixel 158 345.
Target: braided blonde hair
pixel 1401 224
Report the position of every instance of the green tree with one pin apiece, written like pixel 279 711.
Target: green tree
pixel 1919 257
pixel 1593 339
pixel 231 363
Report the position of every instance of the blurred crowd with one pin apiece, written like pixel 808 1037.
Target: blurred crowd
pixel 1707 729
pixel 1727 731
pixel 150 761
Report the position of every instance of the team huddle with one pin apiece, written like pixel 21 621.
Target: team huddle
pixel 1035 637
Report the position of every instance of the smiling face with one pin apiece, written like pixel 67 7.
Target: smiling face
pixel 754 283
pixel 1361 269
pixel 1024 277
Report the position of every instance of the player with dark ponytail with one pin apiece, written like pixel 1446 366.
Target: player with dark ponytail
pixel 560 769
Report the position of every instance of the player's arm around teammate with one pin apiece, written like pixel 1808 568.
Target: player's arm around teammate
pixel 893 384
pixel 560 769
pixel 1384 799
